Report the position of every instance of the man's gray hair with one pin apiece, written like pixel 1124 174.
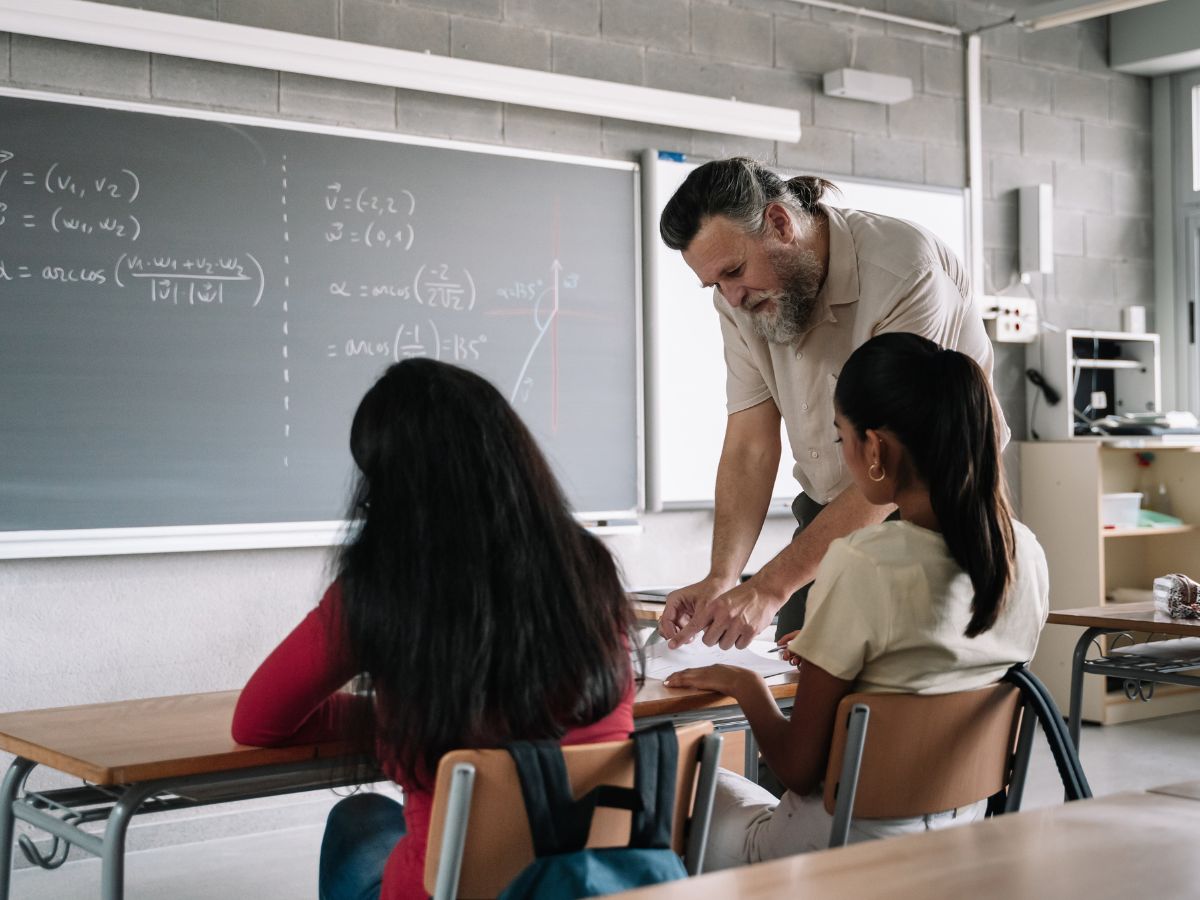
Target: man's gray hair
pixel 740 189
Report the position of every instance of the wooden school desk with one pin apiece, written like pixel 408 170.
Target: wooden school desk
pixel 1160 662
pixel 1104 849
pixel 140 756
pixel 171 752
pixel 656 703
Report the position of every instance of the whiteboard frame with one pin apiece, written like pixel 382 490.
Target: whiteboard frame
pixel 274 535
pixel 780 504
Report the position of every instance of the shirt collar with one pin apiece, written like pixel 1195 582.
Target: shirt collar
pixel 841 276
pixel 841 281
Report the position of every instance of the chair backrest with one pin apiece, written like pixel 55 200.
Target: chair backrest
pixel 498 844
pixel 927 752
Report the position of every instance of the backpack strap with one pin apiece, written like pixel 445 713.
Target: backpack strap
pixel 556 822
pixel 560 824
pixel 656 756
pixel 1041 704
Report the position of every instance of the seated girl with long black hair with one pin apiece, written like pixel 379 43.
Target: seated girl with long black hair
pixel 473 607
pixel 944 599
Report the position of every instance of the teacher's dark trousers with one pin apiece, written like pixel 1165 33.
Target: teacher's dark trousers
pixel 791 616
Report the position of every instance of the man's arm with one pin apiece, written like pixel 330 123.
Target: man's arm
pixel 736 616
pixel 745 479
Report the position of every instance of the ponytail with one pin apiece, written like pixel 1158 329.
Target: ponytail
pixel 808 190
pixel 940 406
pixel 740 189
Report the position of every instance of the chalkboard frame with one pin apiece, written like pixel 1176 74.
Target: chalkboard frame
pixel 35 544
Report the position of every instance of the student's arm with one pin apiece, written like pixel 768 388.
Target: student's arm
pixel 745 479
pixel 294 696
pixel 733 618
pixel 847 624
pixel 797 750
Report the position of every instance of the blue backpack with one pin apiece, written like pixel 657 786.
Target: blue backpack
pixel 564 870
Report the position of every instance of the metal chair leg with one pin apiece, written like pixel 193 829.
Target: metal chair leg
pixel 454 833
pixel 706 783
pixel 14 778
pixel 1016 787
pixel 856 738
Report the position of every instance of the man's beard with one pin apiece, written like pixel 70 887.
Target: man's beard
pixel 795 304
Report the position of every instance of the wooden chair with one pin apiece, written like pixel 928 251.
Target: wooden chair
pixel 927 753
pixel 479 838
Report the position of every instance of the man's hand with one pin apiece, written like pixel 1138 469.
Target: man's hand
pixel 683 604
pixel 728 680
pixel 731 619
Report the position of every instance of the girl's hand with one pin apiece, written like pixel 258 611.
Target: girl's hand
pixel 785 654
pixel 720 678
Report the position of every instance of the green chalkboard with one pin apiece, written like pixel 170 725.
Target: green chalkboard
pixel 192 308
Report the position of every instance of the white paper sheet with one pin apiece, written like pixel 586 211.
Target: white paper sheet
pixel 662 661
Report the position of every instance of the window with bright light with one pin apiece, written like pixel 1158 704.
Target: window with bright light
pixel 1196 138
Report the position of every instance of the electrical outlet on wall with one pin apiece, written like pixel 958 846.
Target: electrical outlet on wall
pixel 1011 319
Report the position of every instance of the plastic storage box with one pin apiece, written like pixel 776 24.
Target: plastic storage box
pixel 1120 510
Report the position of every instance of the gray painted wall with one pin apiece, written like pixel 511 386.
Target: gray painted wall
pixel 85 630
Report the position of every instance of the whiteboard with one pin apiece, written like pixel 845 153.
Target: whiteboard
pixel 685 367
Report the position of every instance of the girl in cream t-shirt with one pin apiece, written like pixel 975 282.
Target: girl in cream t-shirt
pixel 945 599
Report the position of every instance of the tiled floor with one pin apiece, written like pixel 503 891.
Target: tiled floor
pixel 282 865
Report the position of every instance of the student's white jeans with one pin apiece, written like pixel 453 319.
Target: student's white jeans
pixel 750 824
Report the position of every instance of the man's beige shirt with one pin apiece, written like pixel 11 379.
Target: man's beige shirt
pixel 884 275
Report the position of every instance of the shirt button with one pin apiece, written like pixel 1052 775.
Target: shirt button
pixel 814 454
pixel 799 355
pixel 804 407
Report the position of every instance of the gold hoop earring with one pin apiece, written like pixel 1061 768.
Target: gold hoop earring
pixel 871 470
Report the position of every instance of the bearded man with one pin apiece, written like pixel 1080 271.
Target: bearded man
pixel 798 285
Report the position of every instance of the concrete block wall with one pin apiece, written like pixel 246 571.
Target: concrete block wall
pixel 72 631
pixel 1053 111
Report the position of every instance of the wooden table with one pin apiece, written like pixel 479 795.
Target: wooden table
pixel 1103 849
pixel 171 752
pixel 141 756
pixel 1164 662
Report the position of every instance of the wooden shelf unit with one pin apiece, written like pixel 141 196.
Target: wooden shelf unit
pixel 1147 532
pixel 1061 486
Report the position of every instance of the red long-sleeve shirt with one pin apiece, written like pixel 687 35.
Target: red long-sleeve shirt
pixel 294 697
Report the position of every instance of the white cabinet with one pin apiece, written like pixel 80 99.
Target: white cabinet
pixel 1061 486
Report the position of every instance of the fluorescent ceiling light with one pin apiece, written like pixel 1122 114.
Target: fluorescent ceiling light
pixel 1065 12
pixel 262 48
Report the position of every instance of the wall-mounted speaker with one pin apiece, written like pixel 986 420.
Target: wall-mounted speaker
pixel 1036 225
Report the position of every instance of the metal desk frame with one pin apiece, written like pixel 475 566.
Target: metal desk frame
pixel 1136 671
pixel 61 812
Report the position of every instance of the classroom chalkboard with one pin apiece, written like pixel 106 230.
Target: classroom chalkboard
pixel 192 308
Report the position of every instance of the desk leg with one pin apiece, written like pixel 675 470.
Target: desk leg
pixel 751 768
pixel 112 865
pixel 1075 712
pixel 13 779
